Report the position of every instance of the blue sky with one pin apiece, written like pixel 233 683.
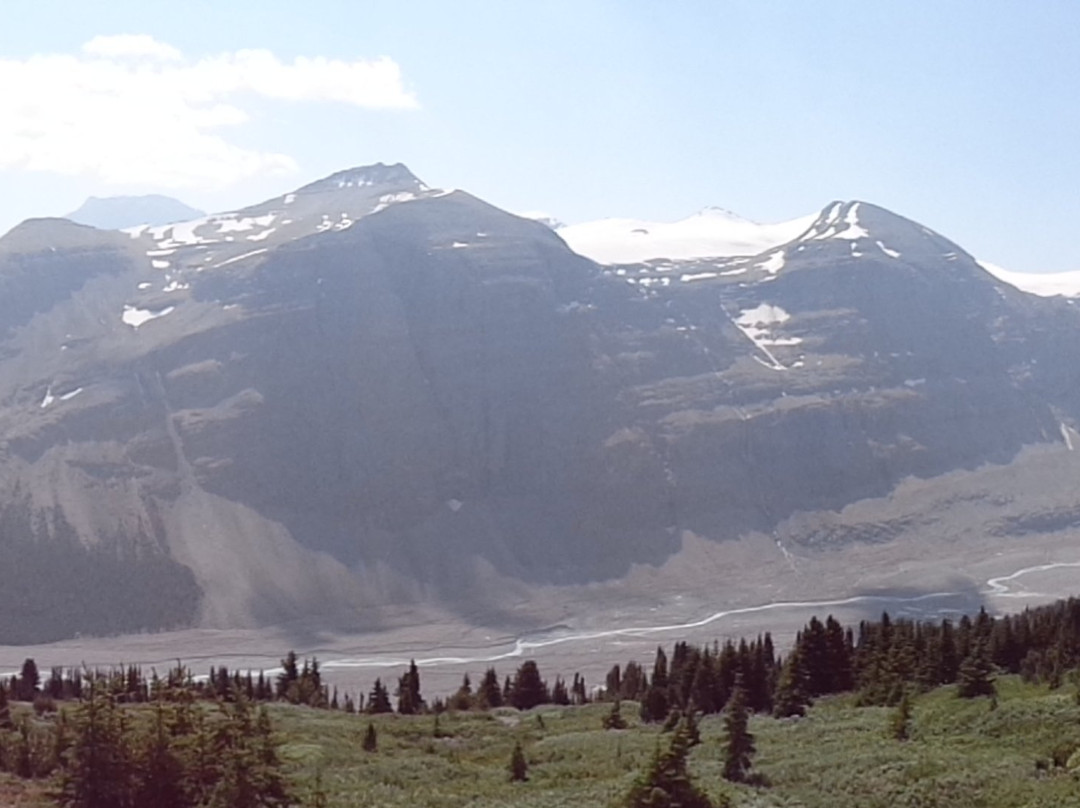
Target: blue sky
pixel 963 115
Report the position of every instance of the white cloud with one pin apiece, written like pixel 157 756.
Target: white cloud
pixel 132 110
pixel 132 45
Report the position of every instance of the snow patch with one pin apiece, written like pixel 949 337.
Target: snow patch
pixel 763 314
pixel 774 263
pixel 135 232
pixel 757 324
pixel 887 251
pixel 159 264
pixel 181 234
pixel 697 276
pixel 241 257
pixel 263 235
pixel 49 398
pixel 145 285
pixel 176 286
pixel 230 224
pixel 71 395
pixel 386 200
pixel 853 230
pixel 136 317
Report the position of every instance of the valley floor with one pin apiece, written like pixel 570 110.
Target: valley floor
pixel 585 629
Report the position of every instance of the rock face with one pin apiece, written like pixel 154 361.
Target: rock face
pixel 370 393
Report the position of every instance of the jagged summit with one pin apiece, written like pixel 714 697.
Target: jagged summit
pixel 863 229
pixel 330 205
pixel 372 176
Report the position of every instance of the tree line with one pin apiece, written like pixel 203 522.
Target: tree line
pixel 113 736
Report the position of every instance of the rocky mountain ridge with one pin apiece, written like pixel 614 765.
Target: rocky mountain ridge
pixel 369 393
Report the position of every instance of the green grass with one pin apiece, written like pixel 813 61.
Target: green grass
pixel 962 753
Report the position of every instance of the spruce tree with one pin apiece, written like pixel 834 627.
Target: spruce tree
pixel 371 740
pixel 519 767
pixel 666 782
pixel 5 710
pixel 409 700
pixel 975 675
pixel 379 699
pixel 489 694
pixel 463 697
pixel 738 742
pixel 790 697
pixel 99 773
pixel 614 719
pixel 900 722
pixel 161 771
pixel 528 689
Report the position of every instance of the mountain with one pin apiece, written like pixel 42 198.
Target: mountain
pixel 368 395
pixel 118 212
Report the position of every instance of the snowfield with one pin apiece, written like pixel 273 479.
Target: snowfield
pixel 711 233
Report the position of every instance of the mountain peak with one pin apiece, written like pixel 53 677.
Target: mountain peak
pixel 118 212
pixel 375 176
pixel 862 226
pixel 715 212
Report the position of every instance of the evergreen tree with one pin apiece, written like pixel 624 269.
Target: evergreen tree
pixel 160 770
pixel 790 697
pixel 559 694
pixel 975 676
pixel 739 746
pixel 614 719
pixel 5 710
pixel 666 782
pixel 634 681
pixel 613 683
pixel 489 694
pixel 519 767
pixel 463 697
pixel 409 700
pixel 250 775
pixel 371 740
pixel 528 689
pixel 900 722
pixel 99 773
pixel 379 699
pixel 289 675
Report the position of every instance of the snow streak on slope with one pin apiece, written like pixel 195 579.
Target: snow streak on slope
pixel 1046 284
pixel 708 234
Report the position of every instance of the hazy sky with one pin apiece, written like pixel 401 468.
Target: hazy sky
pixel 964 115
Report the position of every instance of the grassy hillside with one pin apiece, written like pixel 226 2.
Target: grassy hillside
pixel 961 753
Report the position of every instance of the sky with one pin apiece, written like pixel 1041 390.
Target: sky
pixel 962 115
